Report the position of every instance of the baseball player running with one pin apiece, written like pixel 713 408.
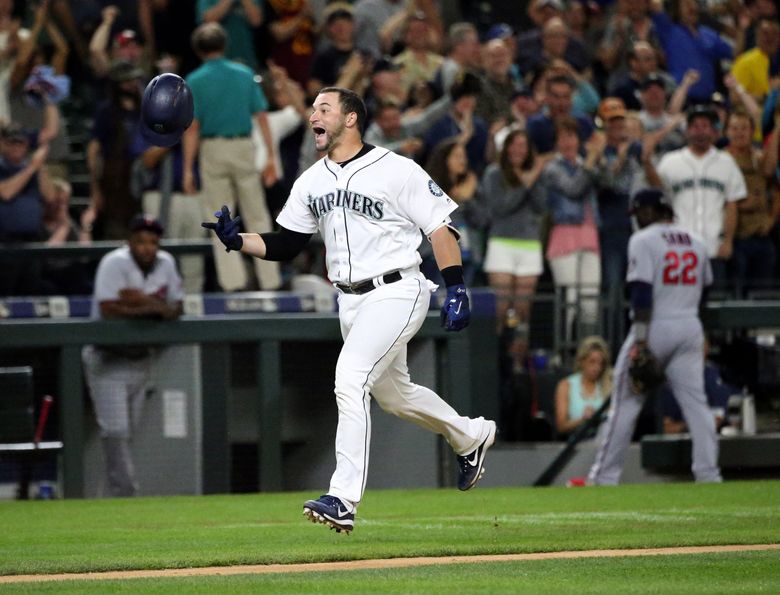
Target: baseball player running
pixel 668 268
pixel 369 206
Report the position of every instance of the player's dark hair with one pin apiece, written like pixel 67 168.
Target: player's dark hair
pixel 510 176
pixel 209 38
pixel 350 102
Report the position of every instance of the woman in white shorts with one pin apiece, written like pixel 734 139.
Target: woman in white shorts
pixel 514 249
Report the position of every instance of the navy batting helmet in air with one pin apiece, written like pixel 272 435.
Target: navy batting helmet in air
pixel 166 110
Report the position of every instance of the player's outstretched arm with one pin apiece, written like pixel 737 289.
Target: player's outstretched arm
pixel 280 245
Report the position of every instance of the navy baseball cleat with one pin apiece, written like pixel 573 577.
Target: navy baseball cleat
pixel 331 511
pixel 471 466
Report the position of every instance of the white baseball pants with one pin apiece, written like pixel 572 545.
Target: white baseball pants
pixel 376 327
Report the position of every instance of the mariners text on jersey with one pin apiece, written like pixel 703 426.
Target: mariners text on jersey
pixel 689 183
pixel 364 205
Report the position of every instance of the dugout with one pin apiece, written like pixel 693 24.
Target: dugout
pixel 263 394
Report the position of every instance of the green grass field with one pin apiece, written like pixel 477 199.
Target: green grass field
pixel 154 533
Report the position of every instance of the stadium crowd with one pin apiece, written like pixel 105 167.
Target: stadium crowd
pixel 539 118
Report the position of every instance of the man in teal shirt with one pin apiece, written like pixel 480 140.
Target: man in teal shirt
pixel 227 98
pixel 238 17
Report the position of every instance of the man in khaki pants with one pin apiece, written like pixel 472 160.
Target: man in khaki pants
pixel 227 98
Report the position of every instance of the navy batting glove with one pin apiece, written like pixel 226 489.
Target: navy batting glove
pixel 455 313
pixel 227 229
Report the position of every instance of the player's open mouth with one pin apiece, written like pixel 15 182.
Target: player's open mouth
pixel 318 131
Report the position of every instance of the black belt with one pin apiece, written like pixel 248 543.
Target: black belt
pixel 366 286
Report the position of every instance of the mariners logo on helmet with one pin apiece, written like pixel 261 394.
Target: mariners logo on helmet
pixel 166 110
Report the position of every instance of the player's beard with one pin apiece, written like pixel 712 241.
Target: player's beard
pixel 331 138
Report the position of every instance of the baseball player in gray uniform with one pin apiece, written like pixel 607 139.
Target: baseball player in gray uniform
pixel 135 281
pixel 369 206
pixel 668 269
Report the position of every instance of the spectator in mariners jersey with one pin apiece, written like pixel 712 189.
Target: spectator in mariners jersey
pixel 704 185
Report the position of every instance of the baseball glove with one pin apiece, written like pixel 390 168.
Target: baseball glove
pixel 644 372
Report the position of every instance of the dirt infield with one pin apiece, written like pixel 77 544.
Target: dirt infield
pixel 387 563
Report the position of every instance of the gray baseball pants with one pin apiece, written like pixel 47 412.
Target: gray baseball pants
pixel 679 346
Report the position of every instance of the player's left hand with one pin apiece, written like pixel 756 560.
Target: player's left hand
pixel 644 372
pixel 227 229
pixel 455 313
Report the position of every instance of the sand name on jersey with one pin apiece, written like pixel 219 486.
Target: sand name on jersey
pixel 701 182
pixel 364 205
pixel 677 238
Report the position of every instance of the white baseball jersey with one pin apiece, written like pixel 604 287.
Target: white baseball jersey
pixel 674 261
pixel 369 212
pixel 699 187
pixel 117 270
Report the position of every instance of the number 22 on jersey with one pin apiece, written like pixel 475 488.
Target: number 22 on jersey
pixel 680 267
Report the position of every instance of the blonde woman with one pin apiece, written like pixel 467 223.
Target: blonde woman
pixel 579 395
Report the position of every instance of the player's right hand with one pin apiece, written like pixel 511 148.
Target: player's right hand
pixel 227 229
